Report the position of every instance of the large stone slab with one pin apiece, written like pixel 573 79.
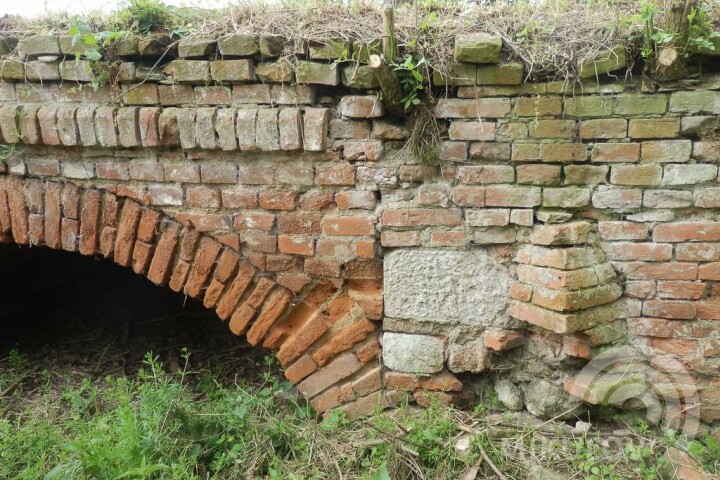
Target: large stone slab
pixel 448 287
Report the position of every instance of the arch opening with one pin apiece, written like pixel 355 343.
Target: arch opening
pixel 89 317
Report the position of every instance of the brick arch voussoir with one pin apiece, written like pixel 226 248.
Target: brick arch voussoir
pixel 326 337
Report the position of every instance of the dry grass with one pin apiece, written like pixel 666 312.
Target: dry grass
pixel 550 38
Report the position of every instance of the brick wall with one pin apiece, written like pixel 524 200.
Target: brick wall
pixel 556 221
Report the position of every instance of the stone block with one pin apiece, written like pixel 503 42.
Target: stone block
pixel 275 72
pixel 189 71
pixel 445 287
pixel 477 48
pixel 232 70
pixel 39 45
pixel 238 44
pixel 196 47
pixel 317 73
pixel 410 353
pixel 605 62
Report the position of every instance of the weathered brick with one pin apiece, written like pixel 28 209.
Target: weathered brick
pixel 553 128
pixel 675 151
pixel 636 174
pixel 480 107
pixel 238 44
pixel 204 127
pixel 695 102
pixel 585 174
pixel 358 106
pixel 477 48
pixel 586 106
pixel 567 197
pixel 481 131
pixel 512 196
pixel 315 127
pixel 689 174
pixel 421 217
pixel 641 104
pixel 616 152
pixel 290 129
pixel 486 174
pixel 654 128
pixel 603 128
pixel 317 73
pixel 687 231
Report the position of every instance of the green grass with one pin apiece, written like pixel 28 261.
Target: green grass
pixel 157 425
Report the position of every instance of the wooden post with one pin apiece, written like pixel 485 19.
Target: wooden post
pixel 389 47
pixel 389 85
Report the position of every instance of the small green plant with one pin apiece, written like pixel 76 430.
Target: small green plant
pixel 411 80
pixel 7 151
pixel 92 44
pixel 697 35
pixel 145 16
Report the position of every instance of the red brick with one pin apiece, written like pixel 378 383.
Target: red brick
pixel 410 217
pixel 698 252
pixel 349 199
pixel 239 199
pixel 71 201
pixel 681 290
pixel 400 239
pixel 36 232
pixel 640 289
pixel 142 256
pixel 231 298
pixel 708 309
pixel 201 197
pixel 659 271
pixel 335 175
pixel 254 221
pixel 90 219
pixel 241 318
pixel 113 170
pixel 501 340
pixel 69 232
pixel 275 305
pixel 486 174
pixel 623 230
pixel 675 346
pixel 653 252
pixel 296 245
pixel 322 267
pixel 512 197
pixel 294 281
pixel 303 367
pixel 148 123
pixel 207 252
pixel 283 263
pixel 342 341
pixel 227 265
pixel 161 264
pixel 315 200
pixel 271 200
pixel 679 310
pixel 53 214
pixel 260 243
pixel 709 271
pixel 469 196
pixel 687 231
pixel 449 239
pixel 182 172
pixel 219 173
pixel 616 152
pixel 365 248
pixel 126 233
pixel 300 223
pixel 349 226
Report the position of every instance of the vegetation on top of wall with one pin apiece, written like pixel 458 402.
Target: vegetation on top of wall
pixel 552 37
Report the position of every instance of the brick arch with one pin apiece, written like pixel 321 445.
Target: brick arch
pixel 322 335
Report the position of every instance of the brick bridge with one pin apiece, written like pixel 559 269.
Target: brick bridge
pixel 553 223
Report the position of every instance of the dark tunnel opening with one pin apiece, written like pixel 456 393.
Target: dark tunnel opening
pixel 65 312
